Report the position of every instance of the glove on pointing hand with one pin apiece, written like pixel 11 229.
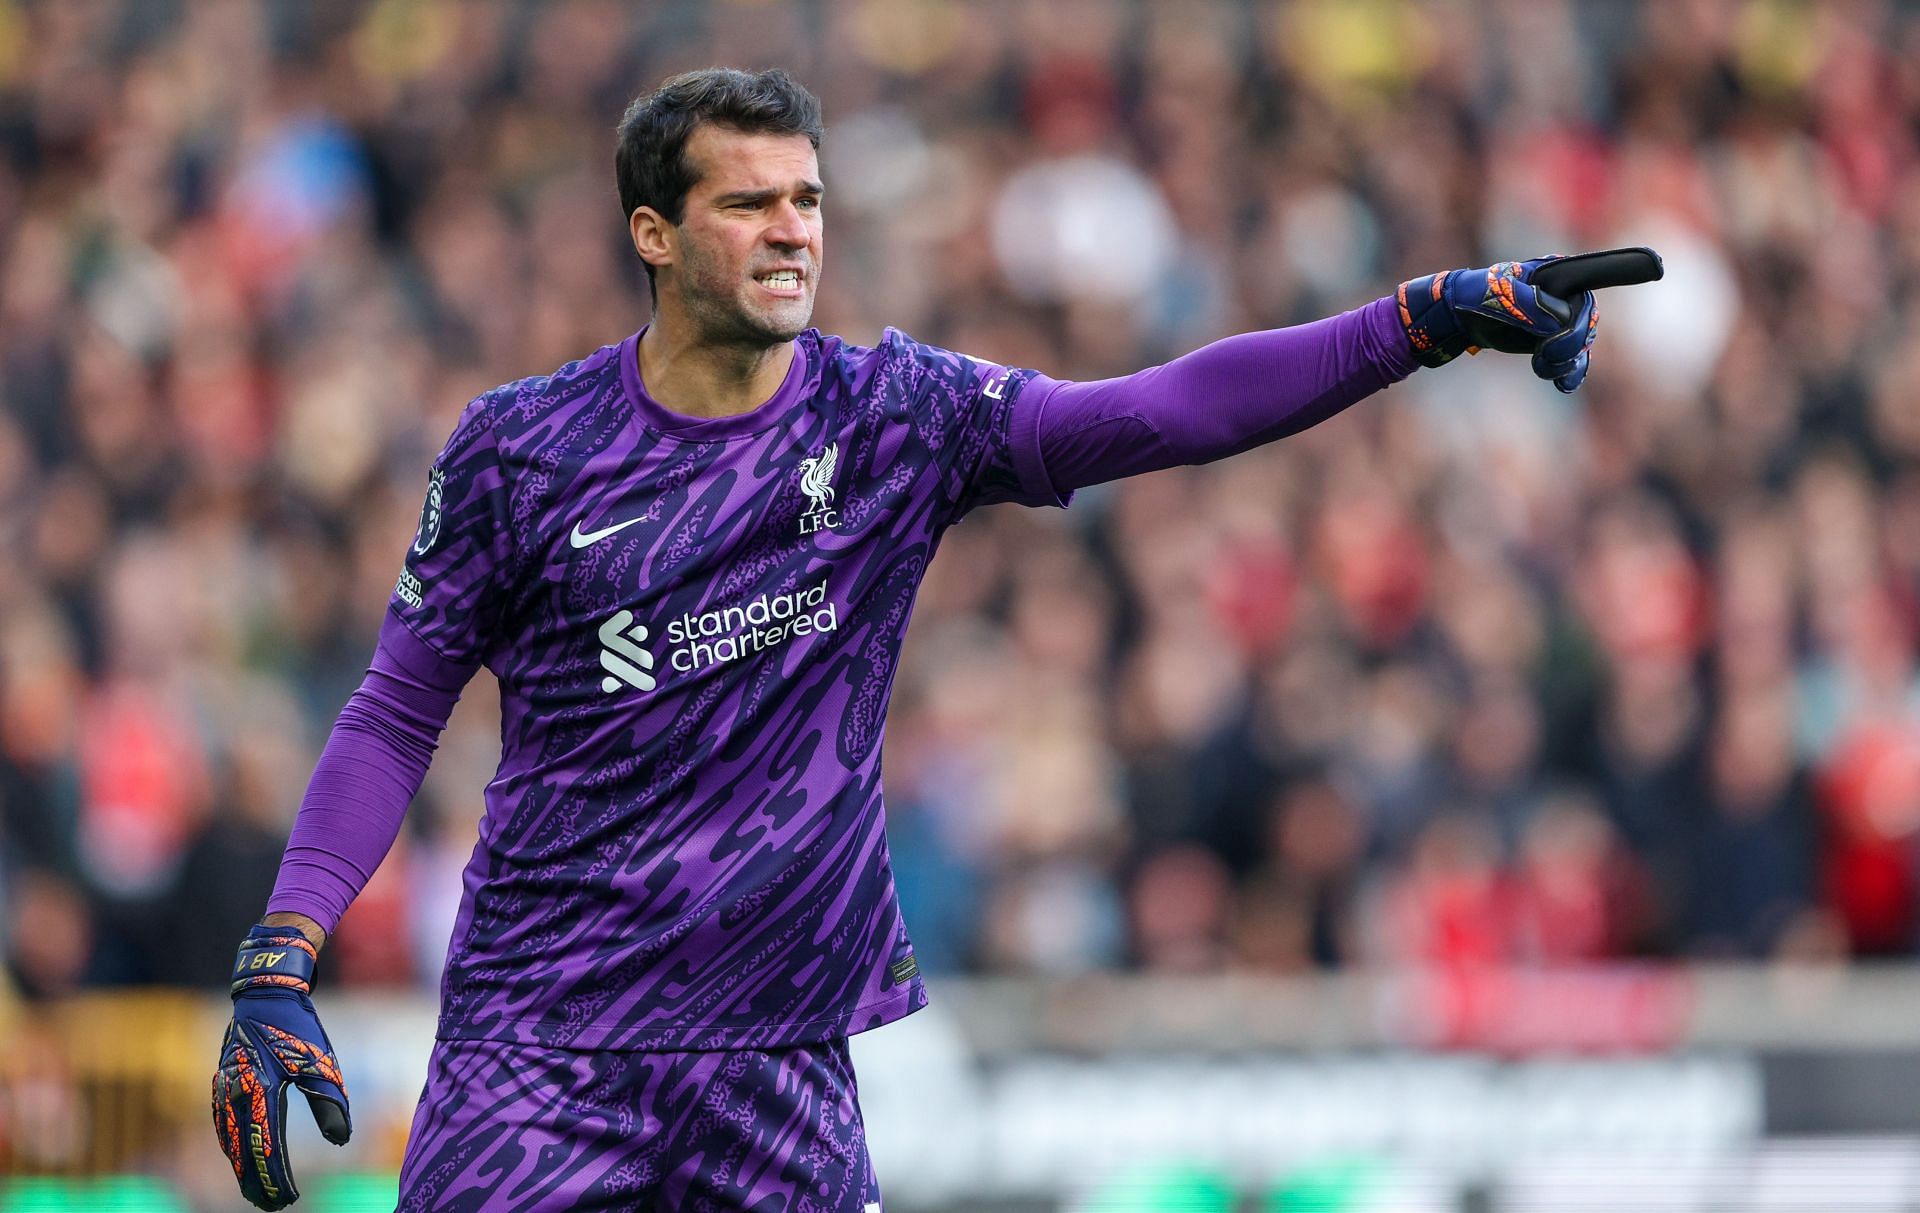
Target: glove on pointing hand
pixel 1499 308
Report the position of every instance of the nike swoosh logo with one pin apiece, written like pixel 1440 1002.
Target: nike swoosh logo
pixel 581 539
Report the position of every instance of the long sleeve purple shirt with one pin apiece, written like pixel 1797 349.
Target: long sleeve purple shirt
pixel 695 623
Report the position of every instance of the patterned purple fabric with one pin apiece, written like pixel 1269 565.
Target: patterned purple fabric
pixel 515 1127
pixel 695 624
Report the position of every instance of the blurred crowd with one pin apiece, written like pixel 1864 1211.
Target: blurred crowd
pixel 1473 674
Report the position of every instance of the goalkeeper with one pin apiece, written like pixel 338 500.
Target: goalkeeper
pixel 689 559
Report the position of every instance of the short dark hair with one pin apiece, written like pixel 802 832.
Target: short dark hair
pixel 650 161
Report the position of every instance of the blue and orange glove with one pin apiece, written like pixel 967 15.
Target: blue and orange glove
pixel 1499 308
pixel 275 1041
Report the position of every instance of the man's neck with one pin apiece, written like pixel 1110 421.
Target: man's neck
pixel 704 379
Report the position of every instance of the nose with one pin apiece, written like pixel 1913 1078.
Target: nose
pixel 788 229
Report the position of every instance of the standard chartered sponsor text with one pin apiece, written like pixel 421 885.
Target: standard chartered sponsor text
pixel 730 633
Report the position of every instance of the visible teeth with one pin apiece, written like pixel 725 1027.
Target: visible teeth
pixel 784 279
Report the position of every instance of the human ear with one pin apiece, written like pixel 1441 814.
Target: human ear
pixel 655 239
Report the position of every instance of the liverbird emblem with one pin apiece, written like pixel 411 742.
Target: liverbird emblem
pixel 816 481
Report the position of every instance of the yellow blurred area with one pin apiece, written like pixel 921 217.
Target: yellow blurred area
pixel 1781 44
pixel 405 38
pixel 104 1083
pixel 1348 46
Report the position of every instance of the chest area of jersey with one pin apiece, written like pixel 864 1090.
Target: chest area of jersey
pixel 701 554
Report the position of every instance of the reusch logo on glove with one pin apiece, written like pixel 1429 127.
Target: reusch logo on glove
pixel 257 1138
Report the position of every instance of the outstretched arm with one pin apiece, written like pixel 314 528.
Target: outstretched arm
pixel 1221 399
pixel 1246 390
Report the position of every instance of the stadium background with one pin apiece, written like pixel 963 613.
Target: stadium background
pixel 1487 800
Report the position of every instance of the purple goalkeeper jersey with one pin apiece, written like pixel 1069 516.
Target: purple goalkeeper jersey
pixel 694 624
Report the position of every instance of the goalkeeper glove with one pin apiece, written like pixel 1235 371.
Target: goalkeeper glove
pixel 275 1040
pixel 1499 308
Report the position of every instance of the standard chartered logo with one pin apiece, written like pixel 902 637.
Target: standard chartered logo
pixel 626 663
pixel 713 637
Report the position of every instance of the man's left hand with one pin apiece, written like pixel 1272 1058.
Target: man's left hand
pixel 1500 308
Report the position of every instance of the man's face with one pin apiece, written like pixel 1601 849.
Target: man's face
pixel 750 237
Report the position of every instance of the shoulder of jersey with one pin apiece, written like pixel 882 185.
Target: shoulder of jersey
pixel 855 369
pixel 528 401
pixel 893 343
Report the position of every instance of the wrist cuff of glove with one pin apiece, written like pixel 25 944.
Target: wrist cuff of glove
pixel 1434 332
pixel 275 957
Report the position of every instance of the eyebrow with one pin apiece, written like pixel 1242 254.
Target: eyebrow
pixel 734 199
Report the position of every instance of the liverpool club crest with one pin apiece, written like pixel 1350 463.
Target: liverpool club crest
pixel 816 481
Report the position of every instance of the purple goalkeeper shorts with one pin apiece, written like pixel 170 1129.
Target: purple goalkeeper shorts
pixel 505 1126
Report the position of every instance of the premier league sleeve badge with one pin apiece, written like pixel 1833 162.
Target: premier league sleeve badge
pixel 430 512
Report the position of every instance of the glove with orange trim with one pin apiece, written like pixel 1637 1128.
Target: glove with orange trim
pixel 1500 308
pixel 275 1041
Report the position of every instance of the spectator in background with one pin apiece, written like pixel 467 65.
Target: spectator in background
pixel 236 852
pixel 49 936
pixel 1754 833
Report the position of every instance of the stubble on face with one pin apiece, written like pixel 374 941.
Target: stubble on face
pixel 713 292
pixel 722 251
